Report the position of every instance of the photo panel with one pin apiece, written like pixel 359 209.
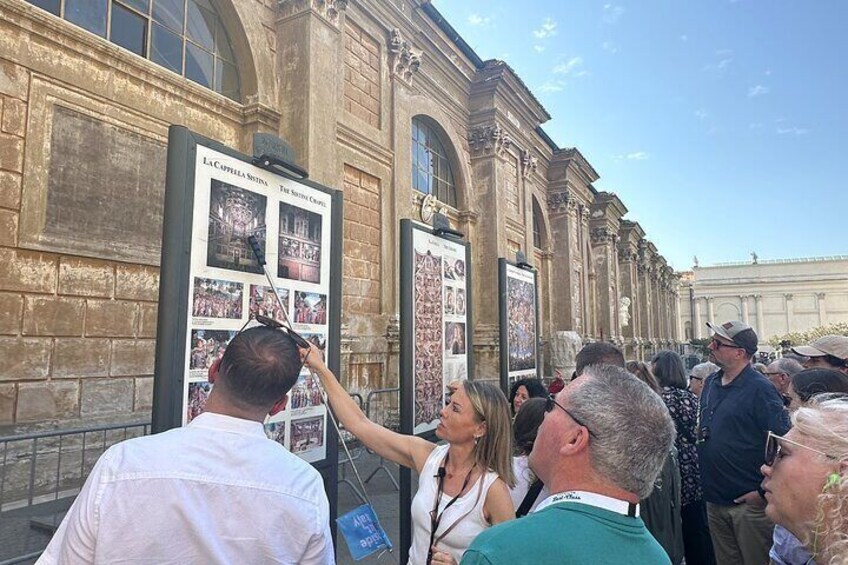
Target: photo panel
pixel 300 244
pixel 198 393
pixel 308 436
pixel 264 302
pixel 217 298
pixel 234 215
pixel 310 308
pixel 207 346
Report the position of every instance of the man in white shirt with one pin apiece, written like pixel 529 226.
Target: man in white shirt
pixel 214 491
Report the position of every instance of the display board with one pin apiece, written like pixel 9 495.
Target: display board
pixel 519 323
pixel 435 335
pixel 211 283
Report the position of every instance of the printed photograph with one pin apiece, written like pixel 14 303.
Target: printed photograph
pixel 319 340
pixel 450 300
pixel 428 320
pixel 460 302
pixel 215 298
pixel 310 308
pixel 234 215
pixel 264 302
pixel 521 324
pixel 307 434
pixel 197 395
pixel 300 244
pixel 207 346
pixel 276 431
pixel 454 338
pixel 306 393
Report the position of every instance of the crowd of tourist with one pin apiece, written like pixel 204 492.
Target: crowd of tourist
pixel 626 462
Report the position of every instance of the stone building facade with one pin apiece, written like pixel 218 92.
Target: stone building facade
pixel 382 100
pixel 775 297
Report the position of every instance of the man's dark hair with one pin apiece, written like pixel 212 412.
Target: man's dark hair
pixel 669 370
pixel 527 423
pixel 259 367
pixel 811 382
pixel 835 361
pixel 598 353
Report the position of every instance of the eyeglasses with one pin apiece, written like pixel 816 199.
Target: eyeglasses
pixel 694 378
pixel 272 323
pixel 718 344
pixel 550 402
pixel 774 451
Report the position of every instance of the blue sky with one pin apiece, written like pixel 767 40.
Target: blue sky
pixel 722 125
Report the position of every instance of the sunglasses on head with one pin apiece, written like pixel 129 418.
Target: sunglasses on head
pixel 774 449
pixel 272 323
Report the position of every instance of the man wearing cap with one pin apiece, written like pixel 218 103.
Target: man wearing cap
pixel 828 352
pixel 738 408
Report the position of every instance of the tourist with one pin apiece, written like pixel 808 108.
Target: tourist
pixel 810 382
pixel 528 491
pixel 463 486
pixel 215 491
pixel 597 353
pixel 780 372
pixel 599 449
pixel 738 406
pixel 683 406
pixel 698 375
pixel 828 352
pixel 806 482
pixel 523 390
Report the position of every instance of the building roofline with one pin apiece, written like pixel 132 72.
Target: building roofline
pixel 434 14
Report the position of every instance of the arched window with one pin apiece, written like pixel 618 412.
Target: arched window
pixel 184 36
pixel 431 170
pixel 538 224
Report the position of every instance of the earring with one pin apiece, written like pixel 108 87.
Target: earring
pixel 833 479
pixel 476 439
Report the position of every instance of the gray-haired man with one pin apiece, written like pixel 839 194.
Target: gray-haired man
pixel 599 449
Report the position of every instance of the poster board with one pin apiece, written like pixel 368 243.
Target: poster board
pixel 519 323
pixel 435 336
pixel 210 283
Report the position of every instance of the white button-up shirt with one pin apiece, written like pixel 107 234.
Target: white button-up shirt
pixel 215 491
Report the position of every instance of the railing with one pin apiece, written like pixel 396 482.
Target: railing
pixel 40 473
pixel 382 406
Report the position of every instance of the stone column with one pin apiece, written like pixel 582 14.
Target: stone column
pixel 758 301
pixel 744 299
pixel 820 296
pixel 697 323
pixel 790 314
pixel 710 310
pixel 566 266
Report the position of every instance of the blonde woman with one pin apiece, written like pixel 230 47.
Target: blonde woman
pixel 463 486
pixel 806 479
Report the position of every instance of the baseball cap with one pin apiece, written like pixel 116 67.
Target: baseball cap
pixel 835 345
pixel 739 333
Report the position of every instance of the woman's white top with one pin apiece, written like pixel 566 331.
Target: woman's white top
pixel 524 477
pixel 469 505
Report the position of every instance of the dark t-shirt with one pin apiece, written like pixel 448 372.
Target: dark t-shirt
pixel 734 423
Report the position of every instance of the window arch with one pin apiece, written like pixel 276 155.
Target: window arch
pixel 431 168
pixel 538 225
pixel 184 36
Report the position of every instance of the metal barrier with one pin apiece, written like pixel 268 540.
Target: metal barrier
pixel 386 412
pixel 41 473
pixel 355 448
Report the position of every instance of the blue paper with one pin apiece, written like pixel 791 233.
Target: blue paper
pixel 362 531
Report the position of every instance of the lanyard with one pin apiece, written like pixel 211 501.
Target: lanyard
pixel 592 499
pixel 435 515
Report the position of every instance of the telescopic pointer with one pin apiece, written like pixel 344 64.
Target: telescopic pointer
pixel 260 258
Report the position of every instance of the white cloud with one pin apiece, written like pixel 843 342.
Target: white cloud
pixel 701 114
pixel 767 72
pixel 478 20
pixel 684 38
pixel 610 47
pixel 792 131
pixel 612 13
pixel 548 29
pixel 758 90
pixel 552 86
pixel 635 156
pixel 725 57
pixel 538 48
pixel 572 66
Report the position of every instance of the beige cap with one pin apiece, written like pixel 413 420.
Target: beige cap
pixel 835 345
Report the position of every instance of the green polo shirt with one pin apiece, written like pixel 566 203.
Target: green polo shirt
pixel 567 532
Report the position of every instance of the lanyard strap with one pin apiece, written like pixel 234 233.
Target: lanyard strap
pixel 592 499
pixel 435 515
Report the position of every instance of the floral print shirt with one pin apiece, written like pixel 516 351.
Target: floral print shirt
pixel 683 406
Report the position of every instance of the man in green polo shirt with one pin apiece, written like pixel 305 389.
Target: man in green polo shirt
pixel 599 449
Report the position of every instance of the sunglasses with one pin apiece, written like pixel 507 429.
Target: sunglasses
pixel 774 449
pixel 694 378
pixel 550 403
pixel 272 323
pixel 719 345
